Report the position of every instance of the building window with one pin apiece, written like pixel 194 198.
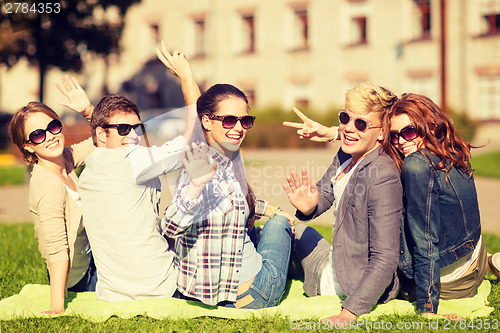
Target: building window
pixel 490 13
pixel 301 29
pixel 248 33
pixel 155 32
pixel 358 32
pixel 490 97
pixel 300 94
pixel 422 19
pixel 425 85
pixel 199 37
pixel 250 93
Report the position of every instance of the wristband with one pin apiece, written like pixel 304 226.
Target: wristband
pixel 275 211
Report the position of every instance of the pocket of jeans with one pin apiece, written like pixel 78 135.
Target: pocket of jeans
pixel 271 268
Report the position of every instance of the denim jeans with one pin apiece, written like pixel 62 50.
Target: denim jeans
pixel 274 247
pixel 87 282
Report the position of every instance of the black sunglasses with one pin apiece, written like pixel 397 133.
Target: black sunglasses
pixel 360 124
pixel 231 121
pixel 408 133
pixel 124 129
pixel 38 136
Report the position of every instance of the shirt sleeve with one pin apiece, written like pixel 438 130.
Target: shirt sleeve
pixel 423 220
pixel 80 151
pixel 260 208
pixel 51 209
pixel 151 162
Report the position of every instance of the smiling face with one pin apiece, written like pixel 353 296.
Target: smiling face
pixel 405 147
pixel 49 150
pixel 226 140
pixel 110 138
pixel 359 144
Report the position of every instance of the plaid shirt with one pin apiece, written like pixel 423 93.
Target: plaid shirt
pixel 210 231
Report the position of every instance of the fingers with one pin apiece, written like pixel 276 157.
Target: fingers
pixel 291 184
pixel 302 116
pixel 196 151
pixel 189 154
pixel 75 83
pixel 305 180
pixel 295 179
pixel 313 186
pixel 286 188
pixel 292 124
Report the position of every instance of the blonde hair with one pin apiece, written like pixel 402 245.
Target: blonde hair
pixel 367 97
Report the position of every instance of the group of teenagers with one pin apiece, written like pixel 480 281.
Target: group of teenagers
pixel 406 218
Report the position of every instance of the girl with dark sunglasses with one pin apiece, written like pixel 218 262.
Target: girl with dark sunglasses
pixel 213 212
pixel 443 255
pixel 54 201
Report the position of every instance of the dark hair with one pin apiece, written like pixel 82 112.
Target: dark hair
pixel 436 129
pixel 108 107
pixel 207 105
pixel 208 101
pixel 16 127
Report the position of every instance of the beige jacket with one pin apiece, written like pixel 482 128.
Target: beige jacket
pixel 56 217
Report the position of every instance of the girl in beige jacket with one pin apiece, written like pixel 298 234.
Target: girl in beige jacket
pixel 53 195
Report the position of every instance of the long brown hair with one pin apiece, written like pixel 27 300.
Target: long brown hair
pixel 207 105
pixel 435 128
pixel 16 127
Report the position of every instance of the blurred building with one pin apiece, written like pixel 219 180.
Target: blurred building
pixel 308 53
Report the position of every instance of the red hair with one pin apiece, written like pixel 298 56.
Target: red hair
pixel 435 128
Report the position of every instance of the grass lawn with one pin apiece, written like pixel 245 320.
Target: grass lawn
pixel 12 175
pixel 487 165
pixel 21 264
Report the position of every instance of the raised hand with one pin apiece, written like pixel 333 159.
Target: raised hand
pixel 197 166
pixel 311 129
pixel 302 195
pixel 176 62
pixel 77 98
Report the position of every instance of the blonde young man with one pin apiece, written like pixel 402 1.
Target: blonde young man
pixel 363 183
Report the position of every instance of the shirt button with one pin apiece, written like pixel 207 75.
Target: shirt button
pixel 237 271
pixel 401 252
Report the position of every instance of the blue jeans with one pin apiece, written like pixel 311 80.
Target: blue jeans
pixel 274 247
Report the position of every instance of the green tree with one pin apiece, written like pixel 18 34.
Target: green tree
pixel 59 39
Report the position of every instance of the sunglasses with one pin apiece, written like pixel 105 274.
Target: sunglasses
pixel 408 133
pixel 38 136
pixel 124 129
pixel 360 124
pixel 231 121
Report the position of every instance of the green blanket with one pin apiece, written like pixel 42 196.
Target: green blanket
pixel 33 299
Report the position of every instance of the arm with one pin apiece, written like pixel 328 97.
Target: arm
pixel 80 151
pixel 313 130
pixel 77 98
pixel 422 217
pixel 179 66
pixel 151 162
pixel 384 200
pixel 58 273
pixel 51 211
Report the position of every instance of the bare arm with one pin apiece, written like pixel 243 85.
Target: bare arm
pixel 179 66
pixel 58 272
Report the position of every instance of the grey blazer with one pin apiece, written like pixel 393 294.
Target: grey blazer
pixel 366 233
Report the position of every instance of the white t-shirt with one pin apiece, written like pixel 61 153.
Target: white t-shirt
pixel 329 284
pixel 120 192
